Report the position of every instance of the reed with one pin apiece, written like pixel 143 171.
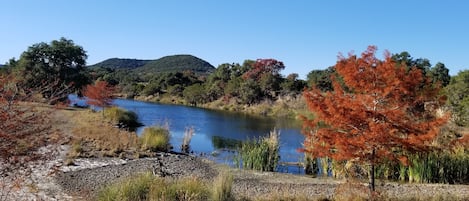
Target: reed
pixel 260 154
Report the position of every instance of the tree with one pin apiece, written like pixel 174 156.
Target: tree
pixel 57 68
pixel 458 97
pixel 380 117
pixel 321 78
pixel 440 74
pixel 100 94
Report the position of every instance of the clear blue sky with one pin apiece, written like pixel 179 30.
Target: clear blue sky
pixel 304 34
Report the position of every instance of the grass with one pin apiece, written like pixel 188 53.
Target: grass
pixel 186 141
pixel 148 187
pixel 155 139
pixel 93 136
pixel 260 154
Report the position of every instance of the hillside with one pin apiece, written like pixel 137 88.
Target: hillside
pixel 178 63
pixel 175 63
pixel 117 63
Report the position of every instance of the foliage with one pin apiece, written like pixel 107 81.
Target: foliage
pixel 438 73
pixel 148 187
pixel 57 69
pixel 122 118
pixel 458 97
pixel 100 94
pixel 155 139
pixel 321 79
pixel 381 117
pixel 194 94
pixel 261 154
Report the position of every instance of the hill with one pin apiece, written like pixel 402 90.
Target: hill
pixel 117 63
pixel 174 63
pixel 178 63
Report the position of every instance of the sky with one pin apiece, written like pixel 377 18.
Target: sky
pixel 304 34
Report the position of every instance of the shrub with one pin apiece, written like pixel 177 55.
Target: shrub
pixel 123 118
pixel 261 154
pixel 155 139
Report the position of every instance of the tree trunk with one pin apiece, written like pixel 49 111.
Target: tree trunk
pixel 372 172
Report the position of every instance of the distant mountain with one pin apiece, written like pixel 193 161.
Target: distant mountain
pixel 178 63
pixel 117 63
pixel 175 63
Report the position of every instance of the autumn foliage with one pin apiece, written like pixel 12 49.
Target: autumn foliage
pixel 262 67
pixel 377 111
pixel 100 94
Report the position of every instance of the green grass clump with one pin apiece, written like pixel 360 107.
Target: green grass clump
pixel 122 117
pixel 261 154
pixel 155 139
pixel 148 187
pixel 129 190
pixel 183 189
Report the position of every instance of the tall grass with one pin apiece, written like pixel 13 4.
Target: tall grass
pixel 148 187
pixel 186 141
pixel 451 166
pixel 155 139
pixel 222 186
pixel 260 154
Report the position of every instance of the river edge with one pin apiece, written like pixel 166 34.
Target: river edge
pixel 88 175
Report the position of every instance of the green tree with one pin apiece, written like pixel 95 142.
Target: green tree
pixel 458 97
pixel 194 94
pixel 56 69
pixel 440 74
pixel 321 79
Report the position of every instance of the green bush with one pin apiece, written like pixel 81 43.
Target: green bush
pixel 122 117
pixel 155 139
pixel 261 154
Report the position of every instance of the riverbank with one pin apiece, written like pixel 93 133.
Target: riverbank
pixel 284 107
pixel 85 181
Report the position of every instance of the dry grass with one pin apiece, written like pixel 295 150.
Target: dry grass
pixel 93 136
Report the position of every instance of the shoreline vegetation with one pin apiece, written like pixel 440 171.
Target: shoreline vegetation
pixel 284 107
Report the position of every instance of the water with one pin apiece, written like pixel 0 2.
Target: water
pixel 218 131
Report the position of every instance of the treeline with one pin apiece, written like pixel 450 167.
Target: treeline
pixel 58 68
pixel 248 83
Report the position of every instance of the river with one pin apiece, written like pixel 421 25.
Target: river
pixel 217 130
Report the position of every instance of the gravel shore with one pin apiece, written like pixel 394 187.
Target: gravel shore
pixel 82 180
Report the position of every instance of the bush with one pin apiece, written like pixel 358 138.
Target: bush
pixel 123 118
pixel 261 154
pixel 155 139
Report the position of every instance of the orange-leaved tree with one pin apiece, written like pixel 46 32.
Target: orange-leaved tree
pixel 376 111
pixel 100 94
